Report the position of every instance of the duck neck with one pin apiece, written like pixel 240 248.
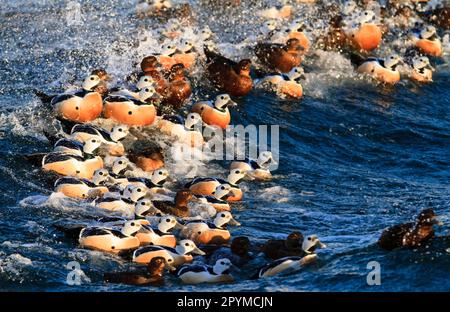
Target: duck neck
pixel 180 250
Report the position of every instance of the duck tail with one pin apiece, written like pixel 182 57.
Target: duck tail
pixel 45 98
pixel 35 159
pixel 356 59
pixel 208 53
pixel 70 231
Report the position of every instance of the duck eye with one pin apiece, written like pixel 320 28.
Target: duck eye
pixel 169 260
pixel 222 188
pixel 237 172
pixel 120 162
pixel 160 173
pixel 168 220
pixel 120 129
pixel 132 223
pixel 139 190
pixel 199 232
pixel 100 173
pixel 77 108
pixel 145 79
pixel 187 244
pixel 222 263
pixel 222 215
pixel 366 13
pixel 92 78
pixel 192 117
pixel 309 238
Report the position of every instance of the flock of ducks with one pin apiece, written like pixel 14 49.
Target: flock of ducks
pixel 165 228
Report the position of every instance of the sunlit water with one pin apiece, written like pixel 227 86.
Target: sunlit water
pixel 355 158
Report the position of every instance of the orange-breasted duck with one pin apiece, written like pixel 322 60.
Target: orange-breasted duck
pixel 427 40
pixel 216 232
pixel 287 84
pixel 383 70
pixel 215 113
pixel 206 185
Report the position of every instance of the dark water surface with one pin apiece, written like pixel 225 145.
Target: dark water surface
pixel 355 158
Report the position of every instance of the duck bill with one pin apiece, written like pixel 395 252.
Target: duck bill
pixel 234 222
pixel 170 267
pixel 321 245
pixel 231 103
pixel 197 251
pixel 178 226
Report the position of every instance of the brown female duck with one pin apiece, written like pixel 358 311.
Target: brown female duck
pixel 278 56
pixel 179 207
pixel 153 276
pixel 412 234
pixel 179 88
pixel 227 75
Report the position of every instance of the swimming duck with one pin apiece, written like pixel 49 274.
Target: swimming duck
pixel 81 188
pixel 73 147
pixel 196 274
pixel 206 186
pixel 153 275
pixel 227 75
pixel 287 84
pixel 186 54
pixel 278 56
pixel 217 113
pixel 74 165
pixel 285 265
pixel 256 169
pixel 238 252
pixel 144 81
pixel 202 232
pixel 294 245
pixel 166 58
pixel 144 208
pixel 218 198
pixel 412 235
pixel 384 70
pixel 180 254
pixel 150 67
pixel 364 34
pixel 185 130
pixel 178 207
pixel 421 70
pixel 427 41
pixel 149 7
pixel 161 235
pixel 147 155
pixel 81 106
pixel 110 240
pixel 296 30
pixel 154 184
pixel 178 90
pixel 130 111
pixel 121 201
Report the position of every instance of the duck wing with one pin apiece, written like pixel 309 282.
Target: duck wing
pixel 392 237
pixel 213 57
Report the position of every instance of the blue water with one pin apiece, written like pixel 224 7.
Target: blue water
pixel 355 157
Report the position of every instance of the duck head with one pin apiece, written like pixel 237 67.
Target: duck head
pixel 161 4
pixel 223 218
pixel 427 217
pixel 119 132
pixel 130 228
pixel 310 243
pixel 392 61
pixel 243 67
pixel 265 159
pixel 235 176
pixel 146 93
pixel 205 33
pixel 120 164
pixel 427 32
pixel 420 62
pixel 168 50
pixel 159 176
pixel 223 101
pixel 145 81
pixel 240 246
pixel 222 191
pixel 186 46
pixel 167 223
pixel 91 82
pixel 149 63
pixel 222 266
pixel 192 119
pixel 133 193
pixel 186 246
pixel 293 45
pixel 365 17
pixel 100 176
pixel 296 73
pixel 91 145
pixel 144 207
pixel 268 27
